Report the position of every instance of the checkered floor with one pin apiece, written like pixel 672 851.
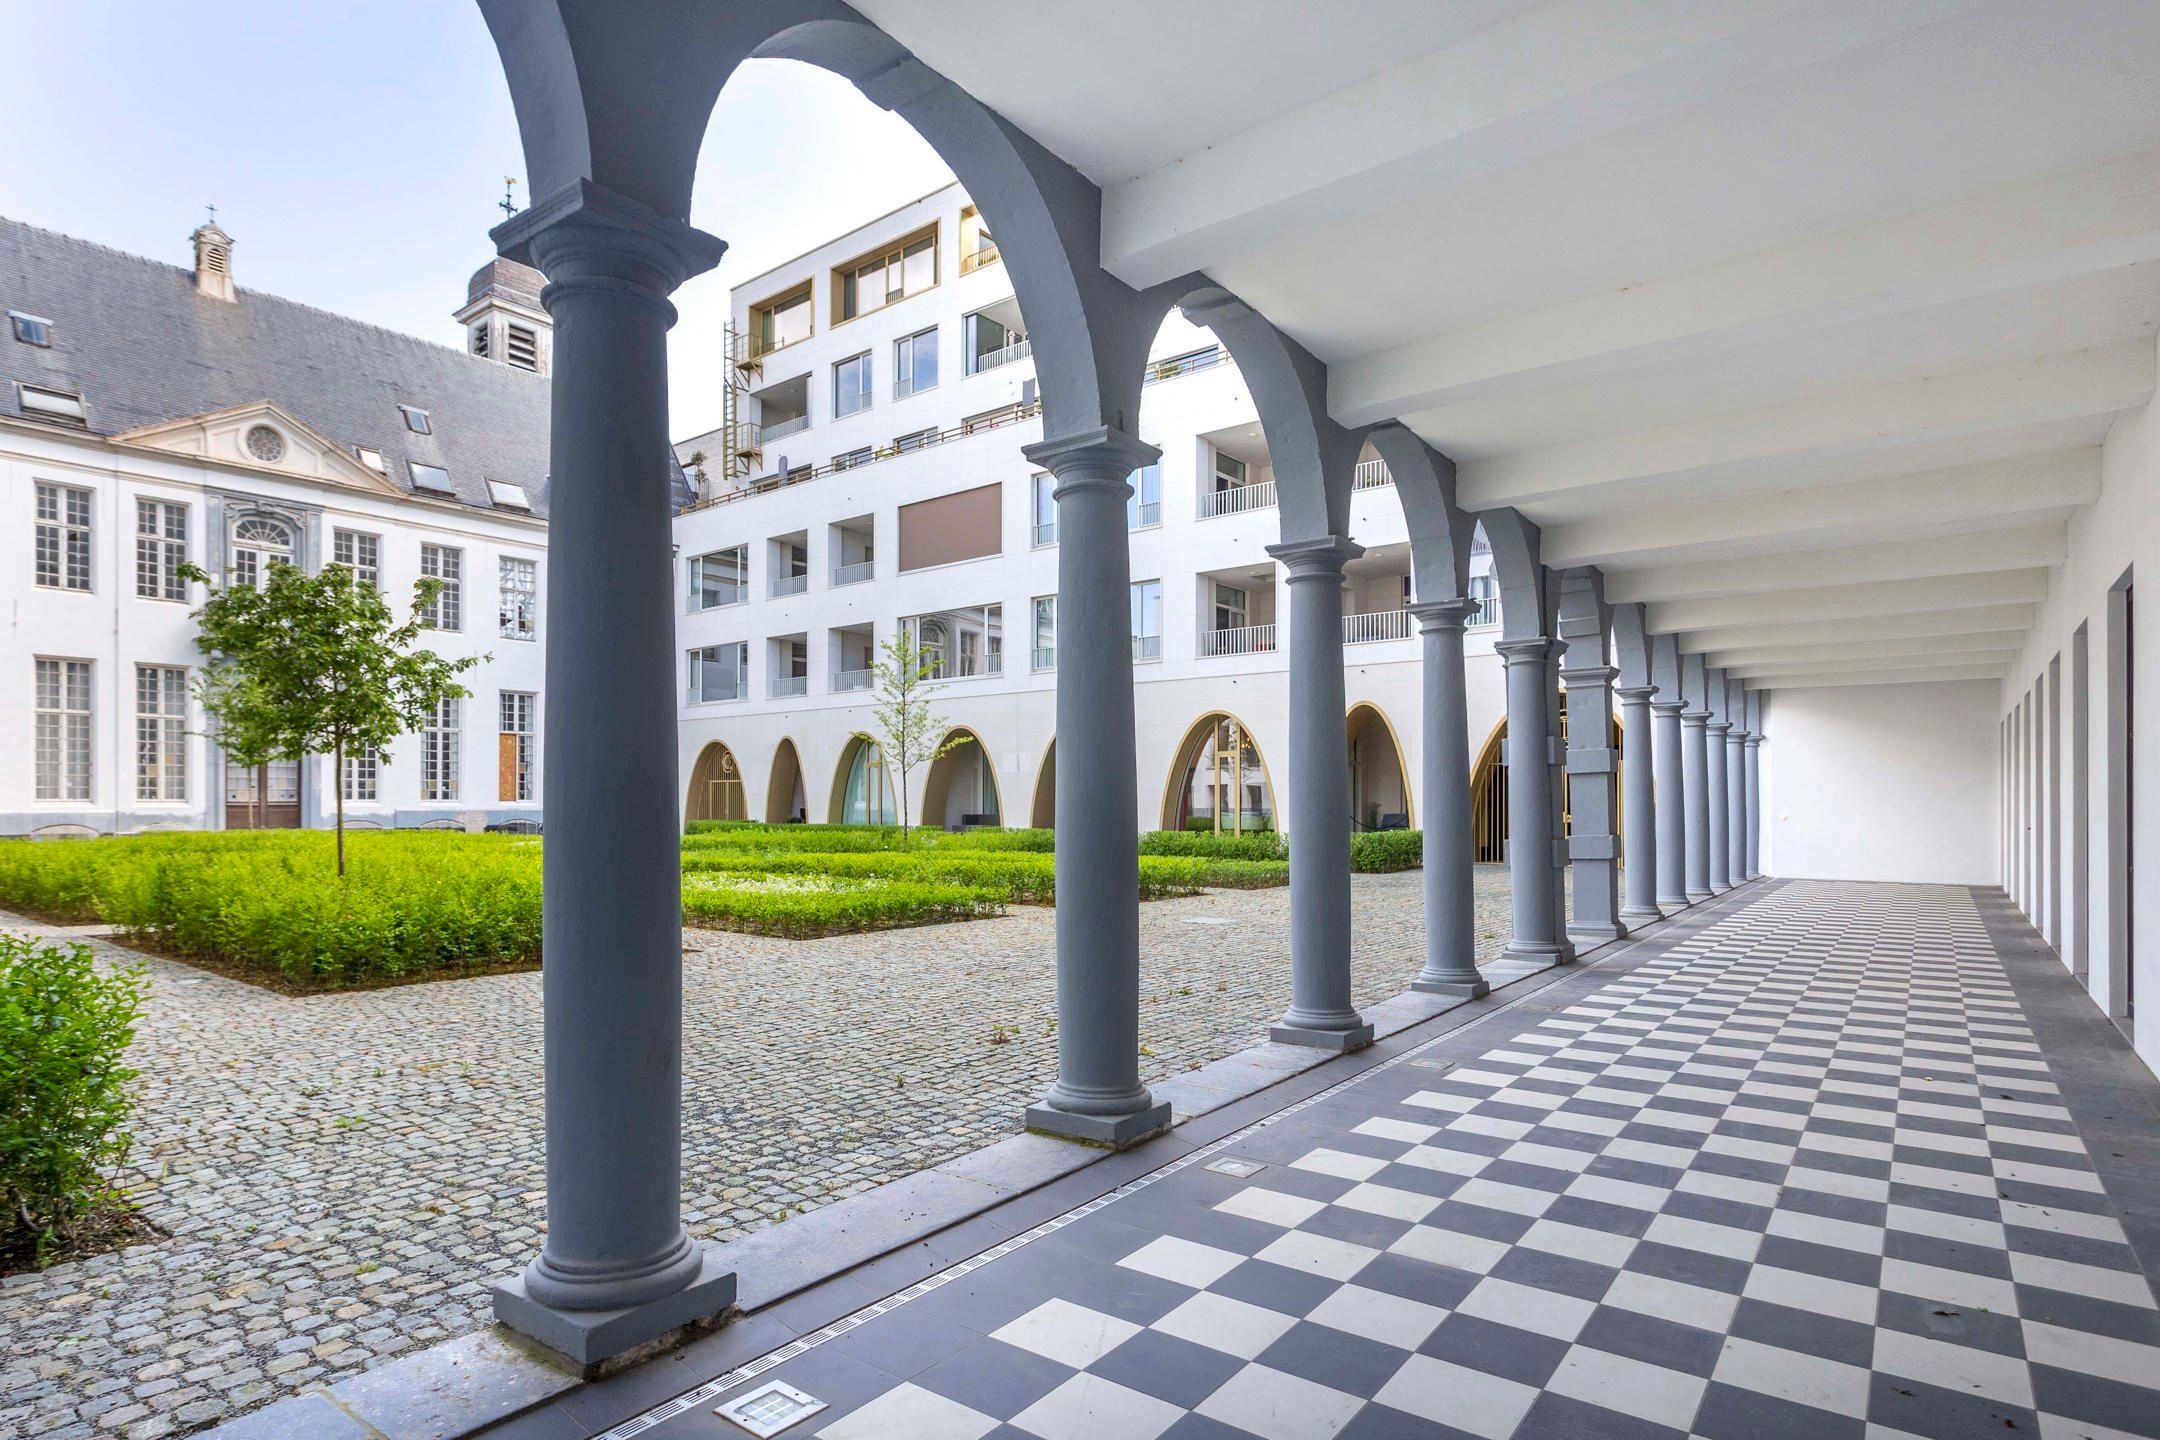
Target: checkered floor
pixel 1806 1173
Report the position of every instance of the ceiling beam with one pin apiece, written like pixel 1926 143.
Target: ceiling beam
pixel 2000 659
pixel 1885 597
pixel 1874 677
pixel 2025 547
pixel 1969 620
pixel 1905 646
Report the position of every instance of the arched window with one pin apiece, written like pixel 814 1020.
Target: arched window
pixel 867 796
pixel 258 542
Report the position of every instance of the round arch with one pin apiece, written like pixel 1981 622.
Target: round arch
pixel 961 789
pixel 716 787
pixel 1042 815
pixel 1218 774
pixel 786 801
pixel 1379 773
pixel 862 792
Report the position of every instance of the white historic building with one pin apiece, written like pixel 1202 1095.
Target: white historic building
pixel 152 414
pixel 869 481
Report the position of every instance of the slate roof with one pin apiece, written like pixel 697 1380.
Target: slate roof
pixel 135 340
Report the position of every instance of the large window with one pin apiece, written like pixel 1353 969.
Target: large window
pixel 867 797
pixel 1147 620
pixel 446 611
pixel 1045 531
pixel 363 775
pixel 360 553
pixel 1229 472
pixel 720 578
pixel 439 752
pixel 915 363
pixel 1144 509
pixel 956 644
pixel 1044 655
pixel 851 385
pixel 1230 607
pixel 160 549
pixel 909 267
pixel 63 536
pixel 780 321
pixel 258 542
pixel 719 672
pixel 519 617
pixel 63 730
pixel 517 743
pixel 992 342
pixel 160 732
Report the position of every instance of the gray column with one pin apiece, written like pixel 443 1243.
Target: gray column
pixel 1754 805
pixel 1531 839
pixel 1714 792
pixel 1639 816
pixel 1695 786
pixel 1321 1013
pixel 1593 844
pixel 612 891
pixel 1671 805
pixel 1098 1096
pixel 1556 797
pixel 1450 904
pixel 1736 805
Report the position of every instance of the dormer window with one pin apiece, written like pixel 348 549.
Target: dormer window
pixel 430 477
pixel 416 420
pixel 507 495
pixel 31 329
pixel 369 457
pixel 51 404
pixel 522 347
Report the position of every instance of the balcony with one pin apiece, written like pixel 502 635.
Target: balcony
pixel 861 572
pixel 779 429
pixel 1376 625
pixel 783 585
pixel 1238 500
pixel 784 686
pixel 1147 647
pixel 1045 533
pixel 843 680
pixel 1145 517
pixel 1043 658
pixel 1245 640
pixel 1486 613
pixel 1370 475
pixel 1003 355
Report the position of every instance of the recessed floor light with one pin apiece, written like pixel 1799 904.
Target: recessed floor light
pixel 769 1409
pixel 1434 1064
pixel 1238 1169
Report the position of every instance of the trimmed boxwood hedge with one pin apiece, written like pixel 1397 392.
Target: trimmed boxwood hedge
pixel 1378 851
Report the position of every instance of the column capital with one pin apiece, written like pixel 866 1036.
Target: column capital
pixel 588 236
pixel 1718 726
pixel 1667 707
pixel 1443 614
pixel 1530 650
pixel 1694 719
pixel 1590 674
pixel 1753 740
pixel 1321 558
pixel 1101 456
pixel 1634 693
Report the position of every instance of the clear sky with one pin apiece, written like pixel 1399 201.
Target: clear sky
pixel 355 150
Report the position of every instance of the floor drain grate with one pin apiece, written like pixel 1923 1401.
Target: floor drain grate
pixel 769 1409
pixel 1240 1169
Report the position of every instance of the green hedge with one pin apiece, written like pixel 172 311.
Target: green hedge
pixel 1266 845
pixel 64 1105
pixel 1379 851
pixel 1027 877
pixel 806 906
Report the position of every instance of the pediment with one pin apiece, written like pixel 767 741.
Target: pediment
pixel 236 437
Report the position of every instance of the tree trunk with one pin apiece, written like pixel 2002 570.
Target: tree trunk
pixel 337 786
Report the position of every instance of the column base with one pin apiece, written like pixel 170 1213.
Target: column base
pixel 1668 904
pixel 1539 952
pixel 1595 934
pixel 588 1338
pixel 1696 897
pixel 1109 1132
pixel 1634 918
pixel 1341 1042
pixel 1475 987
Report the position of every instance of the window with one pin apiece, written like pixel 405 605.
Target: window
pixel 430 477
pixel 160 549
pixel 63 730
pixel 915 440
pixel 1230 607
pixel 852 459
pixel 520 604
pixel 370 457
pixel 915 363
pixel 522 347
pixel 363 775
pixel 445 611
pixel 416 420
pixel 160 732
pixel 31 329
pixel 360 553
pixel 439 752
pixel 851 385
pixel 1229 472
pixel 1147 620
pixel 1045 508
pixel 515 778
pixel 51 404
pixel 258 542
pixel 63 537
pixel 719 672
pixel 1045 642
pixel 780 321
pixel 955 644
pixel 721 578
pixel 991 343
pixel 507 495
pixel 1145 507
pixel 909 267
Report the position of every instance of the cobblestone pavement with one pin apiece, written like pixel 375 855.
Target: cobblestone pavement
pixel 342 1175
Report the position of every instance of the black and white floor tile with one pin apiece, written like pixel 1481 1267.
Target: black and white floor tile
pixel 1805 1173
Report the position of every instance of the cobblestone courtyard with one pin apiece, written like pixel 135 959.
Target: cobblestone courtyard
pixel 341 1175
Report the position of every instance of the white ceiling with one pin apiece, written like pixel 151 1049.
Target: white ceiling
pixel 1802 319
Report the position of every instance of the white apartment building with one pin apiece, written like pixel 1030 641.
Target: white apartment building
pixel 870 480
pixel 152 414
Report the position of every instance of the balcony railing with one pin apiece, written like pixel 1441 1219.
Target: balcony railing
pixel 782 428
pixel 1147 647
pixel 854 574
pixel 789 584
pixel 966 667
pixel 1045 658
pixel 853 679
pixel 1045 533
pixel 1145 517
pixel 1245 640
pixel 1376 625
pixel 1188 364
pixel 1486 613
pixel 976 259
pixel 1370 475
pixel 1238 499
pixel 786 685
pixel 715 690
pixel 991 359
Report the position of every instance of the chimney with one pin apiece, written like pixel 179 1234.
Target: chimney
pixel 213 261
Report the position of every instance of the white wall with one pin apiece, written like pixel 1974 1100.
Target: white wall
pixel 1882 782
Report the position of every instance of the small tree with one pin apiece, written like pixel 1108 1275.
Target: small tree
pixel 316 664
pixel 907 723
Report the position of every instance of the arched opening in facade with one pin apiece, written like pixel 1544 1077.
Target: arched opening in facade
pixel 716 786
pixel 1379 777
pixel 1488 793
pixel 1218 781
pixel 785 802
pixel 961 790
pixel 1043 814
pixel 862 786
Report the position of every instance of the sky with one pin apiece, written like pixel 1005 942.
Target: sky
pixel 356 149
